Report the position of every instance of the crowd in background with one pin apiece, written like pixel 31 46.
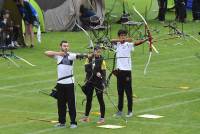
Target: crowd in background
pixel 180 10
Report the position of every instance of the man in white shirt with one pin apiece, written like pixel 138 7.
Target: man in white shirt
pixel 124 47
pixel 65 83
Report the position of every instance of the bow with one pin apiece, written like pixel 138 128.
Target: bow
pixel 91 44
pixel 111 9
pixel 149 39
pixel 111 73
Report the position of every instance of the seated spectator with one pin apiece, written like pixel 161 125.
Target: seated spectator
pixel 9 31
pixel 88 17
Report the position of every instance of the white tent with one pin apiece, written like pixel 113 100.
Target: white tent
pixel 61 15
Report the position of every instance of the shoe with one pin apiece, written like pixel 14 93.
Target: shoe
pixel 129 114
pixel 85 119
pixel 60 125
pixel 31 46
pixel 73 126
pixel 11 46
pixel 101 121
pixel 118 114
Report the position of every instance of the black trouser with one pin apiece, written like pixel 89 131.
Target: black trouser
pixel 124 83
pixel 66 95
pixel 196 9
pixel 176 9
pixel 15 33
pixel 162 9
pixel 180 6
pixel 89 87
pixel 10 35
pixel 5 38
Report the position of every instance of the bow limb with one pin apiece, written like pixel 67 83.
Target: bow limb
pixel 146 27
pixel 149 39
pixel 148 62
pixel 86 33
pixel 111 73
pixel 151 46
pixel 91 44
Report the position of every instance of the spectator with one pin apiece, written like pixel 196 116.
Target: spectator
pixel 88 17
pixel 180 10
pixel 30 18
pixel 10 32
pixel 196 10
pixel 95 69
pixel 162 10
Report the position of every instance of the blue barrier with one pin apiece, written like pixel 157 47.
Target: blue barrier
pixel 189 4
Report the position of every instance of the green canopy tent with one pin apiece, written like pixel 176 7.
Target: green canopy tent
pixel 148 8
pixel 40 14
pixel 61 15
pixel 170 4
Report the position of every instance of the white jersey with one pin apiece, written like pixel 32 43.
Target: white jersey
pixel 123 55
pixel 66 68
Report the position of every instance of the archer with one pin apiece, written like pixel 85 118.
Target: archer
pixel 124 46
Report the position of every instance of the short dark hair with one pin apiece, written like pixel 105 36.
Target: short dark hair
pixel 122 31
pixel 63 41
pixel 4 12
pixel 97 47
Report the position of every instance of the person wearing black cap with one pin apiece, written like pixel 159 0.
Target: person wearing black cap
pixel 95 68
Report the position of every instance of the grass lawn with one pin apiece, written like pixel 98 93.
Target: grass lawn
pixel 171 87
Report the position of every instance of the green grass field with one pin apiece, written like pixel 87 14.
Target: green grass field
pixel 171 87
